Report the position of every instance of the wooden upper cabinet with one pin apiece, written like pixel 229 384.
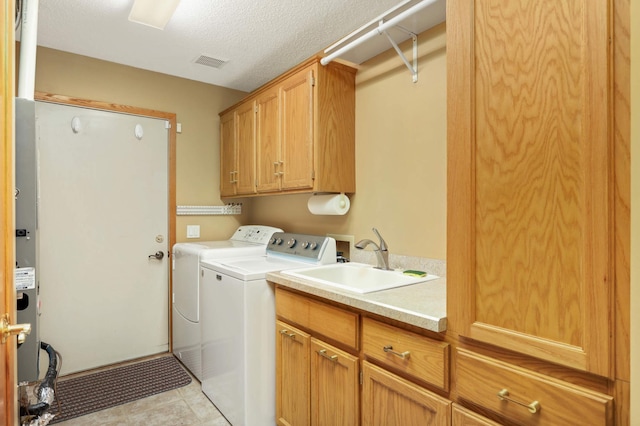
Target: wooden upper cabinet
pixel 246 149
pixel 304 132
pixel 238 151
pixel 530 178
pixel 297 130
pixel 268 163
pixel 228 159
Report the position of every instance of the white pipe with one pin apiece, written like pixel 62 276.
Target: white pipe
pixel 376 31
pixel 28 46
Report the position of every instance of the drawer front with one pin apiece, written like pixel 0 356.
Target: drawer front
pixel 324 319
pixel 516 393
pixel 411 353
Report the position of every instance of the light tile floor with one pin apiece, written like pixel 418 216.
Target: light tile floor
pixel 183 406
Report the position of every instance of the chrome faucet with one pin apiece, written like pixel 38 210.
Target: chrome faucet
pixel 381 251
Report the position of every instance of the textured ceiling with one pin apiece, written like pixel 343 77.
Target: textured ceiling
pixel 260 39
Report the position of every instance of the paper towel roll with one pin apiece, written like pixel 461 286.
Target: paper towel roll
pixel 331 204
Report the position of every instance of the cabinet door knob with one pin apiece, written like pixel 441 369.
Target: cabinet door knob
pixel 533 407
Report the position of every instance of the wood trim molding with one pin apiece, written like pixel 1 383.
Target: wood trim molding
pixel 8 400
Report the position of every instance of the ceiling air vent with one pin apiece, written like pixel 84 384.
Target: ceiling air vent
pixel 210 62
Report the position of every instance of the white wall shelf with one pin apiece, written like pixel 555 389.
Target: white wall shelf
pixel 228 209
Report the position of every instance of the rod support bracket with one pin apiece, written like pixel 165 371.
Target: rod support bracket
pixel 413 68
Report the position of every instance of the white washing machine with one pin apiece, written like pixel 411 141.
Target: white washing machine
pixel 238 317
pixel 247 240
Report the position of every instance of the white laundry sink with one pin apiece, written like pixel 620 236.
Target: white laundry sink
pixel 357 277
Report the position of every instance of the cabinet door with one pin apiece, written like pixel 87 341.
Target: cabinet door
pixel 390 400
pixel 334 386
pixel 529 207
pixel 463 417
pixel 228 165
pixel 296 95
pixel 269 163
pixel 292 375
pixel 246 148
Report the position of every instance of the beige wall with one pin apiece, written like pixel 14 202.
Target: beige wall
pixel 400 158
pixel 635 217
pixel 400 145
pixel 195 104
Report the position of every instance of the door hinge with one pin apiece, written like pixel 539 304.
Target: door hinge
pixel 361 378
pixel 312 80
pixel 313 174
pixel 255 109
pixel 167 124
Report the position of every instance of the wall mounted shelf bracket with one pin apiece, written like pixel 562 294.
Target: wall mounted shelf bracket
pixel 412 68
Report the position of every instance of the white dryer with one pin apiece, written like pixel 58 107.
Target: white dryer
pixel 186 257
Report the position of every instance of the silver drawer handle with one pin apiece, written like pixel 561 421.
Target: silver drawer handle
pixel 403 355
pixel 323 353
pixel 533 407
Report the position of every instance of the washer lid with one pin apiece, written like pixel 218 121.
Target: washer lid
pixel 251 268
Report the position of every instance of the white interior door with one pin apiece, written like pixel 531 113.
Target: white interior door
pixel 103 210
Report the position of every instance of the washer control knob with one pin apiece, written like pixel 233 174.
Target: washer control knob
pixel 272 240
pixel 291 243
pixel 313 245
pixel 305 244
pixel 279 241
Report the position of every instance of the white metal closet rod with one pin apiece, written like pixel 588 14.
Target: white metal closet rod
pixel 378 30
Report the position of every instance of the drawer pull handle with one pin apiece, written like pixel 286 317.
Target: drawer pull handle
pixel 533 408
pixel 286 333
pixel 403 355
pixel 323 353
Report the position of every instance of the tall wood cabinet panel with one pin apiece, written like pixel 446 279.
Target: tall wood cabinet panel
pixel 529 178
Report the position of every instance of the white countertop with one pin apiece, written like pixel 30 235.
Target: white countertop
pixel 423 305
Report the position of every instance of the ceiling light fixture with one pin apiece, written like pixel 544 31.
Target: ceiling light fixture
pixel 154 13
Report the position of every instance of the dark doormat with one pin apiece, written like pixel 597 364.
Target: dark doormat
pixel 116 386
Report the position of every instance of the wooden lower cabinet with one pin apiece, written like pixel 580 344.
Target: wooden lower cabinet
pixel 316 383
pixel 388 399
pixel 460 416
pixel 334 386
pixel 292 375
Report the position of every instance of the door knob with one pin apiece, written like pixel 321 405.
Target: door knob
pixel 158 255
pixel 7 329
